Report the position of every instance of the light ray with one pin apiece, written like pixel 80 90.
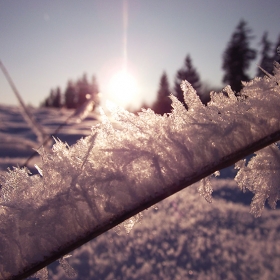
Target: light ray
pixel 125 25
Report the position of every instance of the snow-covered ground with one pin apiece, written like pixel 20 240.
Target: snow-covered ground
pixel 187 238
pixel 18 141
pixel 183 237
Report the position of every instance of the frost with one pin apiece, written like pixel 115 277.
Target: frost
pixel 205 187
pixel 239 165
pixel 68 269
pixel 128 224
pixel 129 162
pixel 261 176
pixel 42 274
pixel 191 99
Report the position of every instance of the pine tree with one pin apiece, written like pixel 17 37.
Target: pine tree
pixel 94 91
pixel 237 57
pixel 266 61
pixel 86 90
pixel 276 51
pixel 163 102
pixel 75 95
pixel 47 101
pixel 189 73
pixel 83 90
pixel 56 101
pixel 70 96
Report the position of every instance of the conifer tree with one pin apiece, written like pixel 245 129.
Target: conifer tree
pixel 237 57
pixel 163 102
pixel 56 100
pixel 276 51
pixel 94 91
pixel 70 96
pixel 266 61
pixel 83 91
pixel 53 100
pixel 189 73
pixel 75 94
pixel 48 102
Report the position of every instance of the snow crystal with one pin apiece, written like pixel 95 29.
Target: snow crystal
pixel 128 224
pixel 130 162
pixel 42 274
pixel 205 187
pixel 68 269
pixel 261 176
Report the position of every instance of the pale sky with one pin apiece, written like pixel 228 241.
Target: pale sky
pixel 43 44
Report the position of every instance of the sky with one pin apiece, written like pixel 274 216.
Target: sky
pixel 44 44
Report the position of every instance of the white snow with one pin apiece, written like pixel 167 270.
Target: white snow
pixel 124 164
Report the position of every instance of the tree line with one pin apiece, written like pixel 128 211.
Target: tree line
pixel 75 94
pixel 237 58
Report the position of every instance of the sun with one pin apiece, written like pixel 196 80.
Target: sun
pixel 122 88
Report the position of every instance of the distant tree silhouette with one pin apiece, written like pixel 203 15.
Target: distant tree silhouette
pixel 94 91
pixel 163 102
pixel 56 100
pixel 237 57
pixel 189 73
pixel 276 56
pixel 83 91
pixel 70 96
pixel 266 61
pixel 48 101
pixel 75 94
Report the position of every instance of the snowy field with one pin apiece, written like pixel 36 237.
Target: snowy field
pixel 183 237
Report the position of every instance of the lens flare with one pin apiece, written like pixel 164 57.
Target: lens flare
pixel 122 88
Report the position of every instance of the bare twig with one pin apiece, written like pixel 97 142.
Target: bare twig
pixel 37 129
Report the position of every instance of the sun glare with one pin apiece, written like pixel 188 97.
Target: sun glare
pixel 123 88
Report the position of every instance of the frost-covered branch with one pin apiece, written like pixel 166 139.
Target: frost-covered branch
pixel 129 164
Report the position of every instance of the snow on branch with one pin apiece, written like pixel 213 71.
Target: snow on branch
pixel 133 162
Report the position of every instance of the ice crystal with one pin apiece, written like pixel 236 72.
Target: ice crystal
pixel 68 269
pixel 205 187
pixel 128 224
pixel 261 176
pixel 42 274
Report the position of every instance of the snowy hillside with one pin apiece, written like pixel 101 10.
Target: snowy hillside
pixel 18 141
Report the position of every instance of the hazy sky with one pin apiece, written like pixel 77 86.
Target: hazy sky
pixel 43 44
